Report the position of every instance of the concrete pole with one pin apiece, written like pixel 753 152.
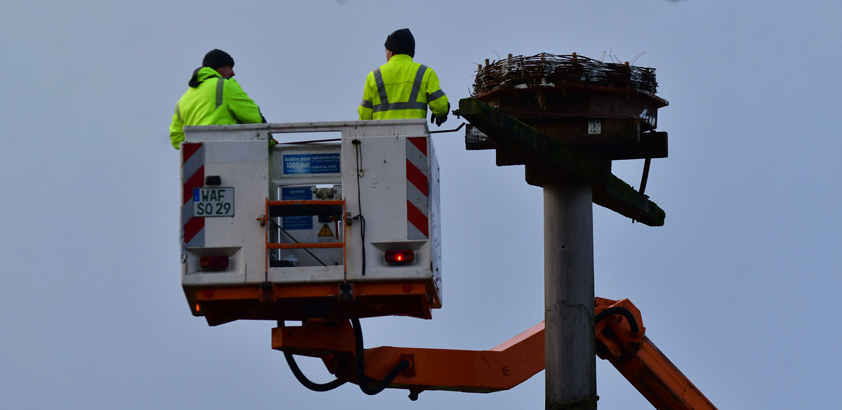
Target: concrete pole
pixel 569 296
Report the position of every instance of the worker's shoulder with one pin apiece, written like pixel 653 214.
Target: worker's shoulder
pixel 231 82
pixel 231 85
pixel 429 69
pixel 418 65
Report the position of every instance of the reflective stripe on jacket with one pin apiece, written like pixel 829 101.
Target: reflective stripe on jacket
pixel 402 89
pixel 214 101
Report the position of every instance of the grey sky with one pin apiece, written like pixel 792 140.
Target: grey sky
pixel 737 289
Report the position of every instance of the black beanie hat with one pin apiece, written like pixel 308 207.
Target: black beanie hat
pixel 401 42
pixel 217 58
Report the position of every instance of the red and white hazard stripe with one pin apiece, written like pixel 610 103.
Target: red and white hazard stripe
pixel 193 176
pixel 417 189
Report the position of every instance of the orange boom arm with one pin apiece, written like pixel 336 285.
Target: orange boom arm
pixel 619 339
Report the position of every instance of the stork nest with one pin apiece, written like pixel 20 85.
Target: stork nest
pixel 551 70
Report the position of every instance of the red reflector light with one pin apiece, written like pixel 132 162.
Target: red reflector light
pixel 402 257
pixel 214 262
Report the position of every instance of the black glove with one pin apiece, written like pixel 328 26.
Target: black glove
pixel 440 120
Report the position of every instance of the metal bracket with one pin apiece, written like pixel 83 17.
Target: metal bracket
pixel 645 176
pixel 266 293
pixel 346 292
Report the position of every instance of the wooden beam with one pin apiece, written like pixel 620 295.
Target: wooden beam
pixel 620 197
pixel 532 146
pixel 652 144
pixel 506 158
pixel 550 160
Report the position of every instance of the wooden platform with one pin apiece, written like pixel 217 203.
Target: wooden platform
pixel 546 159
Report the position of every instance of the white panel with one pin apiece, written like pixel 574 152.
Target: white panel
pixel 242 165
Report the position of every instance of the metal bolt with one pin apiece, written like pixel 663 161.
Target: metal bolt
pixel 506 371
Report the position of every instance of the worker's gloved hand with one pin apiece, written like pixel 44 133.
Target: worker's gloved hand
pixel 440 120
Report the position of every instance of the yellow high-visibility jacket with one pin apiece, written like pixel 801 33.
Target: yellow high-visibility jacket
pixel 402 89
pixel 214 101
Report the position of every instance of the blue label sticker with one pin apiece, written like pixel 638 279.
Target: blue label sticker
pixel 311 164
pixel 195 194
pixel 297 222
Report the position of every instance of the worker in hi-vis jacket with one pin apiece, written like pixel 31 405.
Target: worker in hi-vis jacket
pixel 402 88
pixel 213 98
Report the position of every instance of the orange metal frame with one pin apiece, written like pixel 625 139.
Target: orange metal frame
pixel 502 367
pixel 284 302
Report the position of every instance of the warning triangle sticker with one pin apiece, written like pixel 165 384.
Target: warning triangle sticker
pixel 325 231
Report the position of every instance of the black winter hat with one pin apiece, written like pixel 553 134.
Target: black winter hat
pixel 217 58
pixel 401 42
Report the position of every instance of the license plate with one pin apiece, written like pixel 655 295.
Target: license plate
pixel 213 202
